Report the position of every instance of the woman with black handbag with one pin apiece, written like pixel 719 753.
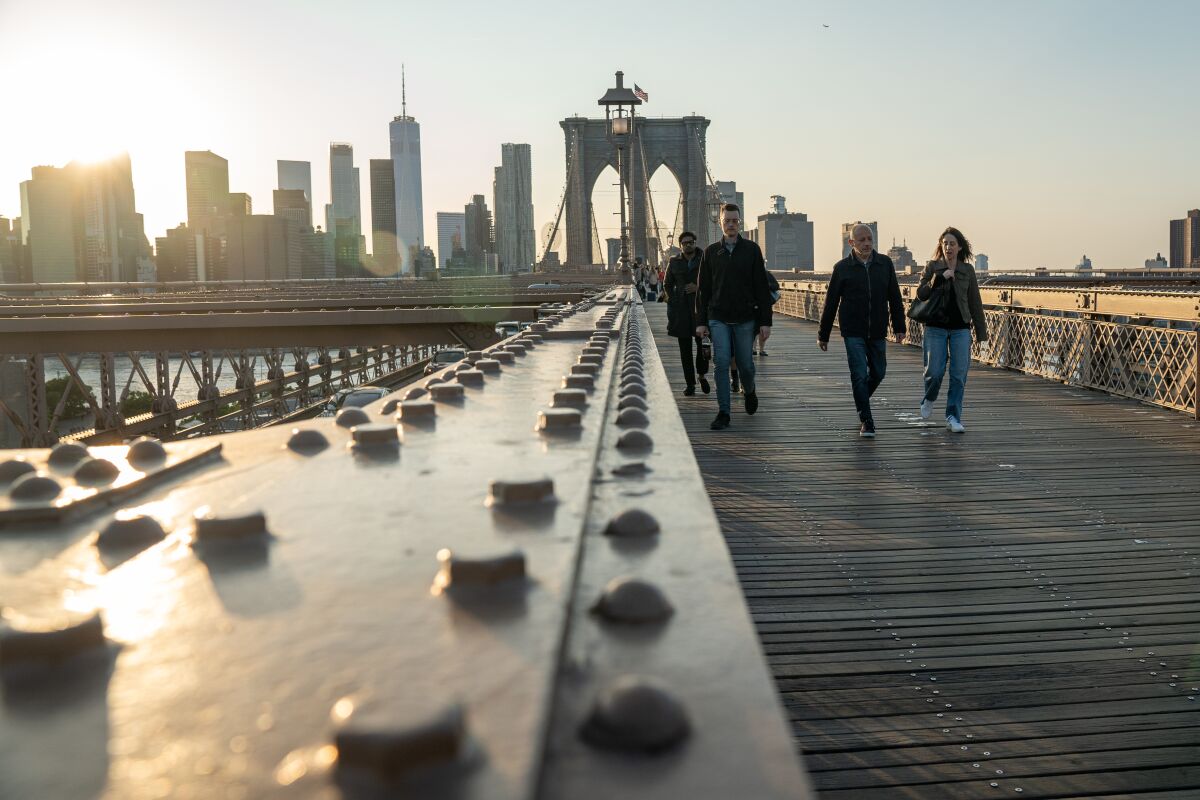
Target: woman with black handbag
pixel 949 304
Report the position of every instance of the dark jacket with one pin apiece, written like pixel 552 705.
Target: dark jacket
pixel 865 294
pixel 966 293
pixel 681 306
pixel 733 286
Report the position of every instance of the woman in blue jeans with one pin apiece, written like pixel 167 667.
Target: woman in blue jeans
pixel 948 335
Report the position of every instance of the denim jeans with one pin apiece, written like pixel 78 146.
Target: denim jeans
pixel 868 365
pixel 937 345
pixel 732 341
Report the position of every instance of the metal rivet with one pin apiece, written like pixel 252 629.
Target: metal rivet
pixel 502 356
pixel 636 713
pixel 517 348
pixel 578 382
pixel 96 472
pixel 414 393
pixel 632 522
pixel 130 532
pixel 633 418
pixel 591 358
pixel 470 377
pixel 446 392
pixel 417 411
pixel 307 440
pixel 629 599
pixel 11 470
pixel 34 488
pixel 461 366
pixel 633 401
pixel 569 398
pixel 371 742
pixel 635 440
pixel 473 356
pixel 17 646
pixel 211 528
pixel 538 327
pixel 457 571
pixel 489 366
pixel 633 371
pixel 145 451
pixel 556 420
pixel 390 406
pixel 67 453
pixel 533 338
pixel 604 324
pixel 505 493
pixel 584 369
pixel 376 434
pixel 350 417
pixel 636 388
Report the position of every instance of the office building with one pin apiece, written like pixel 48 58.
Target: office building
pixel 613 248
pixel 292 205
pixel 848 227
pixel 207 181
pixel 1158 262
pixel 258 247
pixel 345 221
pixel 1084 267
pixel 479 237
pixel 513 198
pixel 383 217
pixel 110 234
pixel 981 262
pixel 1185 241
pixel 182 255
pixel 10 262
pixel 296 175
pixel 728 192
pixel 48 225
pixel 786 238
pixel 240 204
pixel 903 260
pixel 405 135
pixel 452 236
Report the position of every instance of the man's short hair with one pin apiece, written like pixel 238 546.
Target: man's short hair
pixel 863 225
pixel 730 207
pixel 686 234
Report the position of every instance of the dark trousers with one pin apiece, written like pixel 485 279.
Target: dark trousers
pixel 685 355
pixel 868 365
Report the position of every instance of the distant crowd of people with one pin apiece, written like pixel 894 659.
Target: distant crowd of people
pixel 719 307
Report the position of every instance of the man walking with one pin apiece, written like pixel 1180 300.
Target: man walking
pixel 865 287
pixel 733 305
pixel 680 285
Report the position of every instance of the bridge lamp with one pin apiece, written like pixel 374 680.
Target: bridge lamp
pixel 619 103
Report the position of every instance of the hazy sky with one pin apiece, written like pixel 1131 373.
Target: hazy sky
pixel 1044 130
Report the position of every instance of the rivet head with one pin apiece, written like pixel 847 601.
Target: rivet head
pixel 506 493
pixel 350 417
pixel 633 418
pixel 390 406
pixel 34 488
pixel 584 369
pixel 470 377
pixel 460 572
pixel 604 324
pixel 635 440
pixel 414 393
pixel 67 453
pixel 13 469
pixel 517 348
pixel 533 338
pixel 503 356
pixel 627 599
pixel 578 382
pixel 489 366
pixel 633 371
pixel 130 532
pixel 446 392
pixel 376 434
pixel 599 353
pixel 558 420
pixel 633 387
pixel 376 744
pixel 55 644
pixel 591 358
pixel 633 401
pixel 632 522
pixel 538 327
pixel 473 356
pixel 96 472
pixel 307 440
pixel 417 411
pixel 569 398
pixel 636 713
pixel 146 451
pixel 211 528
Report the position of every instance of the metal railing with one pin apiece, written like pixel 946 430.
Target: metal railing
pixel 1124 356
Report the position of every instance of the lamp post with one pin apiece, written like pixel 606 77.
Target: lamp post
pixel 619 103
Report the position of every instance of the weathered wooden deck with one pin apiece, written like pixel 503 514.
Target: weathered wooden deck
pixel 1010 612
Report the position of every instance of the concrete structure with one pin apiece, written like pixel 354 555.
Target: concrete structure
pixel 902 258
pixel 847 227
pixel 1158 262
pixel 405 135
pixel 452 235
pixel 296 175
pixel 383 218
pixel 48 217
pixel 786 238
pixel 1185 241
pixel 981 262
pixel 207 178
pixel 513 199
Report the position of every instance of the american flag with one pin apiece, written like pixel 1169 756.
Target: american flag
pixel 640 94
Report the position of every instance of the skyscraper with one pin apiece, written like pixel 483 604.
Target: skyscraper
pixel 786 238
pixel 292 205
pixel 513 198
pixel 981 262
pixel 383 217
pixel 848 227
pixel 405 134
pixel 9 232
pixel 1185 241
pixel 207 177
pixel 111 233
pixel 729 194
pixel 346 223
pixel 479 243
pixel 48 225
pixel 296 175
pixel 452 235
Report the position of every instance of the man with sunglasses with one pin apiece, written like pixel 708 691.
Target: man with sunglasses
pixel 680 285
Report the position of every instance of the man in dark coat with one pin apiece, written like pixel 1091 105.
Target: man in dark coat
pixel 680 285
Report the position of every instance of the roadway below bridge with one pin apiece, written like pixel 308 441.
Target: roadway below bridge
pixel 1013 610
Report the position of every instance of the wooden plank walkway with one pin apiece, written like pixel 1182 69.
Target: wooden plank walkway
pixel 1010 612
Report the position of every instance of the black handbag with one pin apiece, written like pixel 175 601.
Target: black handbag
pixel 932 308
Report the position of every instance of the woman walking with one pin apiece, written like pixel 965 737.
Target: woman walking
pixel 948 333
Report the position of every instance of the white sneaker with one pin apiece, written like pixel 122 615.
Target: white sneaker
pixel 954 425
pixel 926 409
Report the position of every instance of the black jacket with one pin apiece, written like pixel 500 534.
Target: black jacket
pixel 733 286
pixel 681 306
pixel 865 294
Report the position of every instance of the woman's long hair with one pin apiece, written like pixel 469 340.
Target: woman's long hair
pixel 964 252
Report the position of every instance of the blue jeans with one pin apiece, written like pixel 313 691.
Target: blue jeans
pixel 868 365
pixel 730 341
pixel 937 345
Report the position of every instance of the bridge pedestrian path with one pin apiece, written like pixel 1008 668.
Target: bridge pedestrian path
pixel 1009 612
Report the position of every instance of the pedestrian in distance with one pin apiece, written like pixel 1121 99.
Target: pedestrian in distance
pixel 733 305
pixel 679 286
pixel 947 339
pixel 863 290
pixel 652 284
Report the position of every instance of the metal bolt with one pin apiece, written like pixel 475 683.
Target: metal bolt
pixel 558 420
pixel 635 440
pixel 502 356
pixel 146 451
pixel 34 488
pixel 96 472
pixel 517 348
pixel 459 572
pixel 632 401
pixel 211 528
pixel 307 440
pixel 446 392
pixel 130 532
pixel 569 398
pixel 533 338
pixel 350 417
pixel 598 353
pixel 56 644
pixel 376 434
pixel 506 493
pixel 633 387
pixel 590 358
pixel 473 356
pixel 488 365
pixel 67 453
pixel 538 327
pixel 632 522
pixel 628 599
pixel 633 418
pixel 584 369
pixel 470 377
pixel 417 411
pixel 604 324
pixel 414 393
pixel 578 382
pixel 389 407
pixel 372 742
pixel 13 469
pixel 632 371
pixel 636 713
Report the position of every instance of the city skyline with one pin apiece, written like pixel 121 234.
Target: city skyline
pixel 1042 148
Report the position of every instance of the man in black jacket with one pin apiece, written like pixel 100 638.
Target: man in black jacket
pixel 680 287
pixel 864 284
pixel 733 304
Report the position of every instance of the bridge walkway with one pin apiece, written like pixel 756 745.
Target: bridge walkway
pixel 1010 612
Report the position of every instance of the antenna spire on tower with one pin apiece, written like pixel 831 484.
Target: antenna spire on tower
pixel 403 94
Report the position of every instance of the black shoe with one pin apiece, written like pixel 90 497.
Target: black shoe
pixel 689 391
pixel 867 431
pixel 751 402
pixel 720 423
pixel 762 352
pixel 704 385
